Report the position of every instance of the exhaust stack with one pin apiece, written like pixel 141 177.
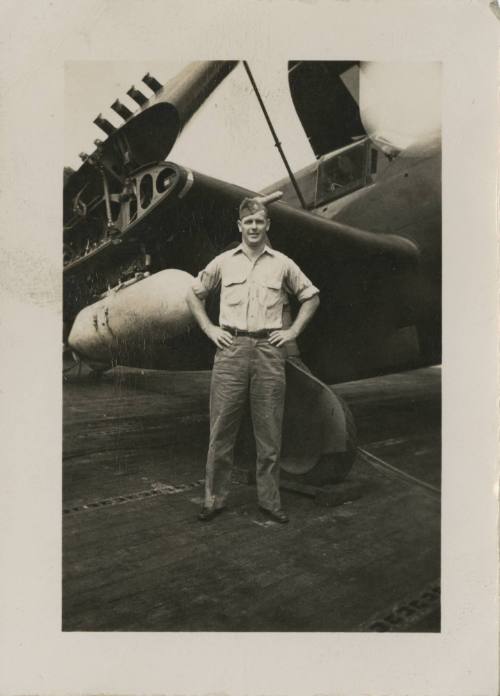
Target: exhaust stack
pixel 104 125
pixel 152 82
pixel 121 109
pixel 137 96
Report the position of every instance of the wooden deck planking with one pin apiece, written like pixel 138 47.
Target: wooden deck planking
pixel 229 557
pixel 150 565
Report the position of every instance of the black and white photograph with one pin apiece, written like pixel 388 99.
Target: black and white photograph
pixel 252 347
pixel 249 348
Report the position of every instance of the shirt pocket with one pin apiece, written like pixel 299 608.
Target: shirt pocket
pixel 271 292
pixel 233 290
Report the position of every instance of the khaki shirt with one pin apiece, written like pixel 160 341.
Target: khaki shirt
pixel 254 294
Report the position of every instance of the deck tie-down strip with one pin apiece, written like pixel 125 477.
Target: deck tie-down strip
pixel 405 614
pixel 158 489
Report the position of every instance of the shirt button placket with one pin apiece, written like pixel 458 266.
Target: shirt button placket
pixel 251 295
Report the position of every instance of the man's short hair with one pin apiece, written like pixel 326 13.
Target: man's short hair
pixel 251 206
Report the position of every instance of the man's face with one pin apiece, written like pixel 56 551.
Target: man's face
pixel 253 229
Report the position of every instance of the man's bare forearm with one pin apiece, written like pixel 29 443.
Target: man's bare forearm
pixel 281 336
pixel 199 312
pixel 305 314
pixel 219 336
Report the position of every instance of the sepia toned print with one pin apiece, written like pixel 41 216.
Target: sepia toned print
pixel 360 422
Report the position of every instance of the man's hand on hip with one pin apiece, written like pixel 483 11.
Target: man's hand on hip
pixel 281 336
pixel 220 337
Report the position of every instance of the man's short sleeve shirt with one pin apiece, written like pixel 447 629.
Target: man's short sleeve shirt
pixel 253 293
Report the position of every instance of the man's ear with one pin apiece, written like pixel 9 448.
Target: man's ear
pixel 239 226
pixel 268 224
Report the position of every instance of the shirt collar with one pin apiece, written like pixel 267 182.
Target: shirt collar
pixel 267 249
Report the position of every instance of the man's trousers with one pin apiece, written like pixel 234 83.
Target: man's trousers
pixel 251 368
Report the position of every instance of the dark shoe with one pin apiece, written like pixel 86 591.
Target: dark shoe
pixel 277 515
pixel 208 514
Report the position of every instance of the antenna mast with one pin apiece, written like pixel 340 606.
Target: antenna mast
pixel 275 137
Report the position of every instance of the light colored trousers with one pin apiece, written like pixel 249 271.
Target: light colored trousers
pixel 249 367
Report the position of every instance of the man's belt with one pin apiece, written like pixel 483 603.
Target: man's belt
pixel 263 333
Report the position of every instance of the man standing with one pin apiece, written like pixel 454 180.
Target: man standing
pixel 255 283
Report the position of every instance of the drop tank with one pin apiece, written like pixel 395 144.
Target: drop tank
pixel 143 323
